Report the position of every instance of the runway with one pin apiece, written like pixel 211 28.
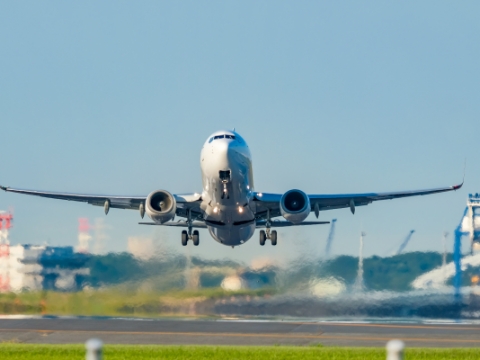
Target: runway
pixel 235 332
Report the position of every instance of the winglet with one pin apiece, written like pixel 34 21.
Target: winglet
pixel 4 188
pixel 456 187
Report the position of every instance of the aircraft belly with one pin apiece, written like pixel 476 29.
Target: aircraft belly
pixel 232 235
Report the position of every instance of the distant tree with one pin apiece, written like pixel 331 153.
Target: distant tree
pixel 113 268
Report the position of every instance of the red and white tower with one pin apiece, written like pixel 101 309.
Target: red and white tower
pixel 84 236
pixel 6 220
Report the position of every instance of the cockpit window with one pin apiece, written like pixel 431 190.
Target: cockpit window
pixel 210 140
pixel 222 137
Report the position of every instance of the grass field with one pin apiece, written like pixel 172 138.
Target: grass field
pixel 141 352
pixel 116 301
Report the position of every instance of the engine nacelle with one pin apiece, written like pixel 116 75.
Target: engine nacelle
pixel 160 206
pixel 295 206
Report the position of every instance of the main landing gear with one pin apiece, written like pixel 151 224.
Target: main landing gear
pixel 267 234
pixel 271 235
pixel 194 236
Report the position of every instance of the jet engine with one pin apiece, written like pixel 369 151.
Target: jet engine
pixel 295 206
pixel 160 206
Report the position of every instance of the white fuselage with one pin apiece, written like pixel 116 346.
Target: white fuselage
pixel 227 178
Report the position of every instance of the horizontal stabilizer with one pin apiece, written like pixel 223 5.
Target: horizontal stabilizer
pixel 262 223
pixel 195 224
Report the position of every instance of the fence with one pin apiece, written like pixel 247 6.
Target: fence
pixel 395 349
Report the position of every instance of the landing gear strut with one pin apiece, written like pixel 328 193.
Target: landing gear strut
pixel 225 178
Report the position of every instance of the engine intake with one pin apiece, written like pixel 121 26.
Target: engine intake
pixel 160 206
pixel 295 206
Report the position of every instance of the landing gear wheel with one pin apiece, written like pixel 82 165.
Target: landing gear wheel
pixel 184 238
pixel 196 238
pixel 263 236
pixel 273 237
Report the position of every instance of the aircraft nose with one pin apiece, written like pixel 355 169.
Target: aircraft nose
pixel 221 146
pixel 225 147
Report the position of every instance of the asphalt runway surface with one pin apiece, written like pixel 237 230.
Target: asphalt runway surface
pixel 235 332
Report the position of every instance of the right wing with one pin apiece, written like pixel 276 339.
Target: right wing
pixel 184 202
pixel 120 202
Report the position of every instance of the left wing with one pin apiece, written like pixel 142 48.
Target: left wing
pixel 320 202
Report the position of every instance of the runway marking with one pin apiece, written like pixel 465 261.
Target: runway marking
pixel 446 327
pixel 406 326
pixel 167 333
pixel 433 339
pixel 246 335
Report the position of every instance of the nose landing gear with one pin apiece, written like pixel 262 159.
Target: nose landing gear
pixel 225 192
pixel 225 178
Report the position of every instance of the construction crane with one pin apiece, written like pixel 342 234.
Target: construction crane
pixel 405 242
pixel 330 238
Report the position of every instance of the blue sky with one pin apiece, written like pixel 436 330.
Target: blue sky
pixel 118 97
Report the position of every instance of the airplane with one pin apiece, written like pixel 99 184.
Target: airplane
pixel 228 206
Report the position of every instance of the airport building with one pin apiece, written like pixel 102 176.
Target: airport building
pixel 38 267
